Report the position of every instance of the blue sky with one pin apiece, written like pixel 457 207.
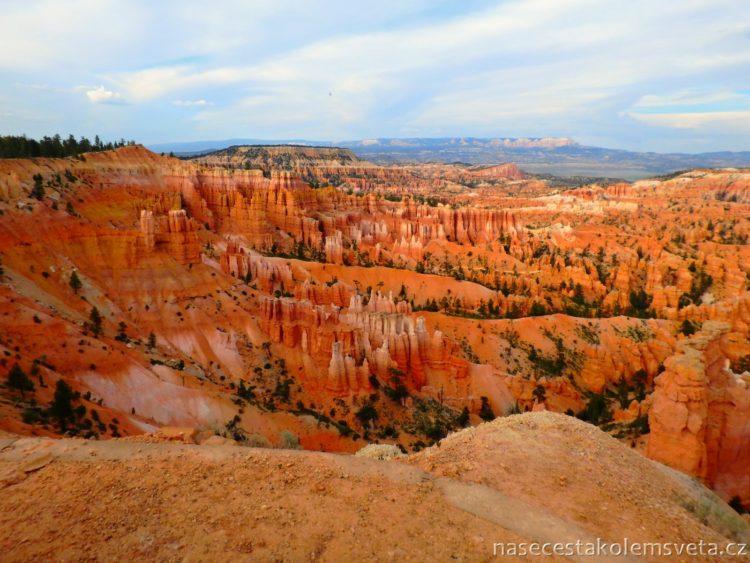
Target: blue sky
pixel 658 75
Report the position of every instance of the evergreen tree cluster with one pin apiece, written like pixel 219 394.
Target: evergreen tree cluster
pixel 53 147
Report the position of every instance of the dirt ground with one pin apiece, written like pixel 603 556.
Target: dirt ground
pixel 533 477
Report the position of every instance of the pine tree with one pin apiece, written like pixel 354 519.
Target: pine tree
pixel 121 334
pixel 96 321
pixel 486 412
pixel 463 418
pixel 37 191
pixel 75 282
pixel 17 379
pixel 61 408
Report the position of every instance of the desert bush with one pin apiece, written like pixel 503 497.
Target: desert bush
pixel 257 441
pixel 288 440
pixel 382 452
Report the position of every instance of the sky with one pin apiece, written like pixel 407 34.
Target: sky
pixel 650 75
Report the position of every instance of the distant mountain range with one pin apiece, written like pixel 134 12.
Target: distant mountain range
pixel 548 155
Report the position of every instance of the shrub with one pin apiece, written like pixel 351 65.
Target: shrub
pixel 688 327
pixel 701 284
pixel 436 432
pixel 31 416
pixel 121 334
pixel 640 301
pixel 282 389
pixel 597 409
pixel 539 393
pixel 397 393
pixel 257 441
pixel 684 301
pixel 741 365
pixel 537 310
pixel 736 503
pixel 640 425
pixel 289 441
pixel 366 414
pixel 589 333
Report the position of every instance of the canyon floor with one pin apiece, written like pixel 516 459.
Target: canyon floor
pixel 533 477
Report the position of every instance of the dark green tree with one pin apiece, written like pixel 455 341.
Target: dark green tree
pixel 688 327
pixel 75 282
pixel 597 409
pixel 17 379
pixel 366 414
pixel 52 147
pixel 539 393
pixel 121 334
pixel 96 321
pixel 37 191
pixel 463 418
pixel 736 503
pixel 61 408
pixel 485 411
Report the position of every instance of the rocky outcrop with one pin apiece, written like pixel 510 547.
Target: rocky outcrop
pixel 334 248
pixel 173 233
pixel 700 417
pixel 507 171
pixel 269 275
pixel 379 337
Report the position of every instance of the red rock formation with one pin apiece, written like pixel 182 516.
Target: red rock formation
pixel 508 171
pixel 253 278
pixel 700 418
pixel 173 232
pixel 267 273
pixel 334 248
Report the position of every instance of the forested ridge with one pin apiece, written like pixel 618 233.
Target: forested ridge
pixel 14 146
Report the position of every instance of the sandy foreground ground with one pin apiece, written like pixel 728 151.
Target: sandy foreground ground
pixel 521 479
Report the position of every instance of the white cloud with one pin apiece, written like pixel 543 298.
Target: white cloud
pixel 153 83
pixel 46 34
pixel 191 103
pixel 688 97
pixel 726 121
pixel 100 95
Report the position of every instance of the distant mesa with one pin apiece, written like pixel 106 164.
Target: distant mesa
pixel 558 156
